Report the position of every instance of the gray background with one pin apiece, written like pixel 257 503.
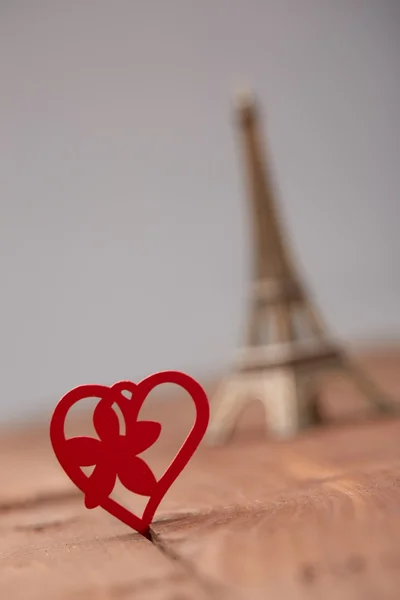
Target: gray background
pixel 124 240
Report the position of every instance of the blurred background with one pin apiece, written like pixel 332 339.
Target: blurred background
pixel 125 240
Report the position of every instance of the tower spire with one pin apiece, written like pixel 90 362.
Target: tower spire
pixel 271 255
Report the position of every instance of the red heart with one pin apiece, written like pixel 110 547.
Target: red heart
pixel 114 454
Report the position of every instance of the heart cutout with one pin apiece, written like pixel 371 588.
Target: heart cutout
pixel 114 454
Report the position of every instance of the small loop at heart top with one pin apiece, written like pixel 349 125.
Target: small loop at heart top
pixel 114 454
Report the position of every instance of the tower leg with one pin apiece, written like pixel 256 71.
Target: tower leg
pixel 290 401
pixel 230 400
pixel 279 395
pixel 368 388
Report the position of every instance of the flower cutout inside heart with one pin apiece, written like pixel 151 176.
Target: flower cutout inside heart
pixel 115 454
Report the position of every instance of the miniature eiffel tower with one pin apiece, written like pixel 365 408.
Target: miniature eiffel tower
pixel 286 342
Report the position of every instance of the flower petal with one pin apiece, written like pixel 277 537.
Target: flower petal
pixel 105 420
pixel 83 451
pixel 136 476
pixel 141 435
pixel 100 484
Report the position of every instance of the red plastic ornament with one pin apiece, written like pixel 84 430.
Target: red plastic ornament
pixel 115 455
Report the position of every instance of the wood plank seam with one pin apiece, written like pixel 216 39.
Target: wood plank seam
pixel 212 588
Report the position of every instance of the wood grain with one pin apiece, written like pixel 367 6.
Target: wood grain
pixel 317 517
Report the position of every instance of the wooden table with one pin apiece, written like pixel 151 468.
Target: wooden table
pixel 317 517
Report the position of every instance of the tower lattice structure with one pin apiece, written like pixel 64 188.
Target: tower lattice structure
pixel 286 343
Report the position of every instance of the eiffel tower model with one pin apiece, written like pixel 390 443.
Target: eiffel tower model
pixel 286 342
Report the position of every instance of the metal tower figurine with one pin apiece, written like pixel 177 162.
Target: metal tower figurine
pixel 286 342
